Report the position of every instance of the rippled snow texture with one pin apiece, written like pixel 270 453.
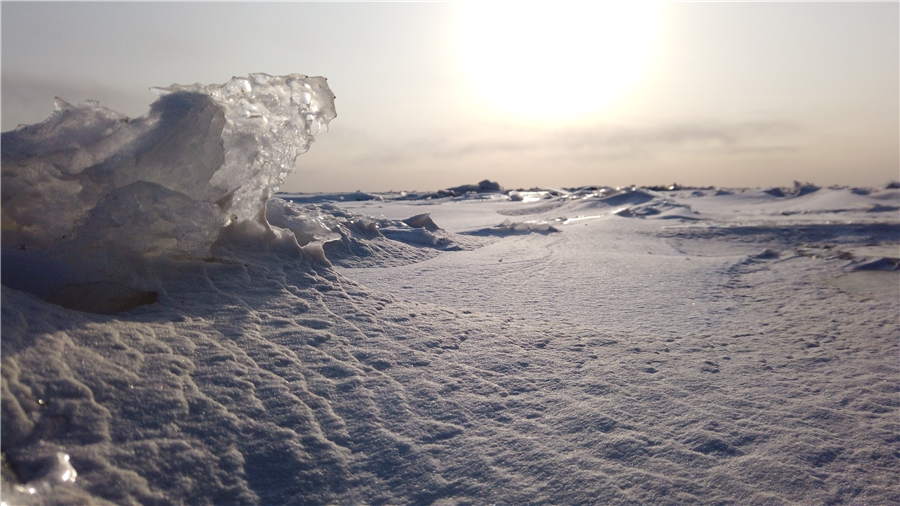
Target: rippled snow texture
pixel 618 346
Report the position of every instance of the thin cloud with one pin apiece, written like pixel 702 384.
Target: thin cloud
pixel 609 141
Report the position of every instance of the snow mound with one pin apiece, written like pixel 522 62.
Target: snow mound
pixel 329 233
pixel 629 197
pixel 522 227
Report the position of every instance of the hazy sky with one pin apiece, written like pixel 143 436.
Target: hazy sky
pixel 432 95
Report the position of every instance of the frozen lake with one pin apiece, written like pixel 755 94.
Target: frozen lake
pixel 737 356
pixel 172 333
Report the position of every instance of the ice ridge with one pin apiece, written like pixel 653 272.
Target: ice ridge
pixel 88 188
pixel 203 158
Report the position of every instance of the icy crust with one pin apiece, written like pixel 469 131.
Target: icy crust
pixel 203 158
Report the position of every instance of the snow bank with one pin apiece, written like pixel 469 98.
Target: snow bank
pixel 519 227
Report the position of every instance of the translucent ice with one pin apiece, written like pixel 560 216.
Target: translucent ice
pixel 91 188
pixel 204 157
pixel 310 225
pixel 314 225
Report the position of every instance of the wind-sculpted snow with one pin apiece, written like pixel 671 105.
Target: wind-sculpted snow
pixel 329 234
pixel 210 345
pixel 614 362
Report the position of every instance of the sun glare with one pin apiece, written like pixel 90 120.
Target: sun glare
pixel 555 60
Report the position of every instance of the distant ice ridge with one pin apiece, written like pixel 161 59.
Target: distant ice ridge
pixel 89 188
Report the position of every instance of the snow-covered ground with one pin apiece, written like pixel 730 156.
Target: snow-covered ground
pixel 471 346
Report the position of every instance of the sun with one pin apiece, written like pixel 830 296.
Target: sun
pixel 547 60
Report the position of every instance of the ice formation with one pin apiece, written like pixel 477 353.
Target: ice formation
pixel 317 225
pixel 90 182
pixel 204 157
pixel 525 226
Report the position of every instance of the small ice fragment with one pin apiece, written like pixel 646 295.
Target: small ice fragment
pixel 316 250
pixel 767 253
pixel 422 221
pixel 64 470
pixel 524 226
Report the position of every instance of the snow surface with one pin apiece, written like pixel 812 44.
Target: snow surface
pixel 475 346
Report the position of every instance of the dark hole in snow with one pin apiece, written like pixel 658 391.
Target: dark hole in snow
pixel 717 447
pixel 102 298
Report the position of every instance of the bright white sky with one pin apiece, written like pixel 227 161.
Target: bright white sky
pixel 432 95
